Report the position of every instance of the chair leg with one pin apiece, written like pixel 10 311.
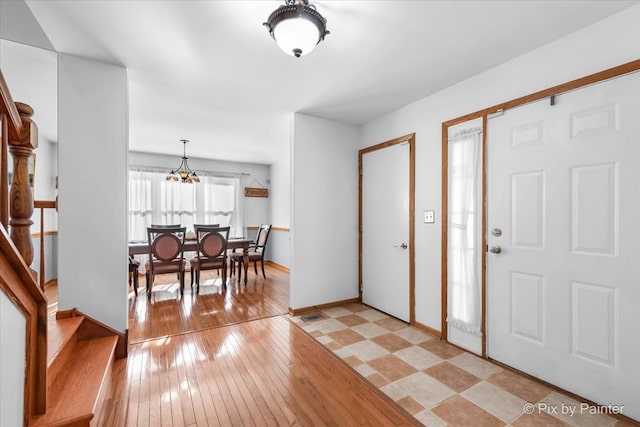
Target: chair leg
pixel 224 275
pixel 255 267
pixel 135 282
pixel 239 271
pixel 191 280
pixel 262 263
pixel 149 279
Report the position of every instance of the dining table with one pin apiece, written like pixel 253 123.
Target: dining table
pixel 141 247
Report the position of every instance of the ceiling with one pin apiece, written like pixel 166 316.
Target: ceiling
pixel 208 71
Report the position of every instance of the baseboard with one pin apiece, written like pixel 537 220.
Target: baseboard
pixel 51 282
pixel 92 328
pixel 428 329
pixel 298 311
pixel 277 266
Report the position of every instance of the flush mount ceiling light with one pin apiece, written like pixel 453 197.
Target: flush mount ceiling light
pixel 183 173
pixel 297 27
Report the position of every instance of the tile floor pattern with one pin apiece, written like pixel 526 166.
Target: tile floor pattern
pixel 439 384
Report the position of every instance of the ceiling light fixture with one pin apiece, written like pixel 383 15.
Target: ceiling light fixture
pixel 183 172
pixel 297 27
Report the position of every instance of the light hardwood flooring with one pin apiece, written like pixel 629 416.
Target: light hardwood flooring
pixel 166 313
pixel 232 358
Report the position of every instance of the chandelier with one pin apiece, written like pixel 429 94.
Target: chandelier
pixel 183 173
pixel 297 27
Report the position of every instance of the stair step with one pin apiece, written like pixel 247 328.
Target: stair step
pixel 76 393
pixel 61 340
pixel 59 333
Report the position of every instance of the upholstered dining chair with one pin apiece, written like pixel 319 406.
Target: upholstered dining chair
pixel 166 254
pixel 211 253
pixel 193 236
pixel 256 252
pixel 205 225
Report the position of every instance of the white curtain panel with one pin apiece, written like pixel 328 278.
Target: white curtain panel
pixel 463 231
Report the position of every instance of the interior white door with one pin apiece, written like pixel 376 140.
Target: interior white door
pixel 385 229
pixel 563 274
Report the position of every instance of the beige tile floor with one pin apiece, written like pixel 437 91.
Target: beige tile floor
pixel 440 384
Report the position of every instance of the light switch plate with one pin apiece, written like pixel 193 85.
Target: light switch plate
pixel 429 217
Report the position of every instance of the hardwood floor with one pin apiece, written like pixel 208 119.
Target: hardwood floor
pixel 165 313
pixel 234 359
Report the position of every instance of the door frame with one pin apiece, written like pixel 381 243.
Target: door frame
pixel 411 139
pixel 610 73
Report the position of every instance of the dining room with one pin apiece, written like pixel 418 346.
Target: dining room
pixel 226 194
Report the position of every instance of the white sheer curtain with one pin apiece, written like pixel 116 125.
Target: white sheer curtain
pixel 223 204
pixel 140 206
pixel 463 234
pixel 154 200
pixel 178 203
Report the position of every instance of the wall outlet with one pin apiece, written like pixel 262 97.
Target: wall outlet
pixel 429 217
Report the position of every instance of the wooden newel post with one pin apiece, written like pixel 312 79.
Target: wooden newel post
pixel 20 197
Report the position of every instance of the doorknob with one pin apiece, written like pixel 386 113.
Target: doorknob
pixel 495 249
pixel 403 246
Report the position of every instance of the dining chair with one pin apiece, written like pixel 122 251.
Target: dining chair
pixel 134 266
pixel 205 225
pixel 256 252
pixel 166 254
pixel 211 253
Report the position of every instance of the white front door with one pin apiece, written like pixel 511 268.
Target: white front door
pixel 563 272
pixel 385 229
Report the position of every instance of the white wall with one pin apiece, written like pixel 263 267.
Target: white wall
pixel 324 219
pixel 93 142
pixel 12 369
pixel 280 194
pixel 17 23
pixel 32 76
pixel 610 42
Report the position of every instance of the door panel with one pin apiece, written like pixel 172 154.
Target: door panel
pixel 563 293
pixel 385 228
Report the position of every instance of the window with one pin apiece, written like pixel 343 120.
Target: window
pixel 154 200
pixel 463 258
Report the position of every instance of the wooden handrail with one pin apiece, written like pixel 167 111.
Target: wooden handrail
pixel 4 171
pixel 8 108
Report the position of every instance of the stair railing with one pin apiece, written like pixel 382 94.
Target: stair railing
pixel 20 137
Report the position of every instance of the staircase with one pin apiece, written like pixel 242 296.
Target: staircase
pixel 67 358
pixel 78 373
